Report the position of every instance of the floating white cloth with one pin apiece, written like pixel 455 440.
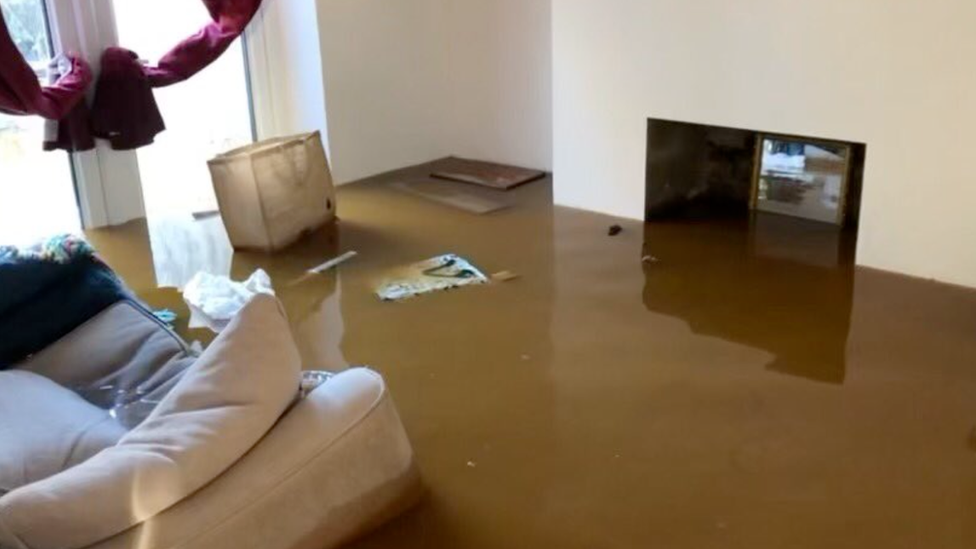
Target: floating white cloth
pixel 215 300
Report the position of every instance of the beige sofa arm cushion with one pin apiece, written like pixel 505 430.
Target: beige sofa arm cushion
pixel 338 463
pixel 224 404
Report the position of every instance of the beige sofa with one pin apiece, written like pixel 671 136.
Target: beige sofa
pixel 230 456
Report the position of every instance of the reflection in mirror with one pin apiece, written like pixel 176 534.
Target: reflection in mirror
pixel 803 179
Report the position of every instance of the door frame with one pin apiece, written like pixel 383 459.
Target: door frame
pixel 107 182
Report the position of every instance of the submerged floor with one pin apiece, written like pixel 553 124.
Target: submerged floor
pixel 746 390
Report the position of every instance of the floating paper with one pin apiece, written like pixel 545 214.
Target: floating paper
pixel 435 274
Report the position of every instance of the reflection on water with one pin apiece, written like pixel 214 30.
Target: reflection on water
pixel 183 246
pixel 180 246
pixel 313 302
pixel 780 284
pixel 606 403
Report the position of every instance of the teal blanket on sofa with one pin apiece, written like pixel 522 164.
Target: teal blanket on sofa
pixel 48 290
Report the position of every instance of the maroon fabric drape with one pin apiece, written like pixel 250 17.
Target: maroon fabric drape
pixel 20 91
pixel 230 18
pixel 72 133
pixel 22 94
pixel 125 110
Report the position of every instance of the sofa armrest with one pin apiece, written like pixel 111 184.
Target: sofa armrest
pixel 336 464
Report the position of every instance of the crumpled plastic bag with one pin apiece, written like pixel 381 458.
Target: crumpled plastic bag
pixel 215 300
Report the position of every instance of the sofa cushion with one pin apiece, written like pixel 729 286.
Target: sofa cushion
pixel 122 353
pixel 42 301
pixel 221 407
pixel 45 428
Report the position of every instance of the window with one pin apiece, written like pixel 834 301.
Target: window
pixel 40 192
pixel 37 191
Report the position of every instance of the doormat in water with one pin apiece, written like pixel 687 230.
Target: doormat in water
pixel 486 174
pixel 439 273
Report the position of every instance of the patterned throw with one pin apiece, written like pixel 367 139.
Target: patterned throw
pixel 61 249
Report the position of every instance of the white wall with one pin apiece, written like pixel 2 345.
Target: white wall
pixel 384 68
pixel 500 58
pixel 408 81
pixel 897 75
pixel 287 86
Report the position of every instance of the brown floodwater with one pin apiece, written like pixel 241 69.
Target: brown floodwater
pixel 749 388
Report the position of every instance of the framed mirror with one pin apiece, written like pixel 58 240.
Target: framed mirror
pixel 802 178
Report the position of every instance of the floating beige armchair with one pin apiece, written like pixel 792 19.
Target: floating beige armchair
pixel 231 456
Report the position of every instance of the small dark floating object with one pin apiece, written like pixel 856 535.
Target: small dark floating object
pixel 615 230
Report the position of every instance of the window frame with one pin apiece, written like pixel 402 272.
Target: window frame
pixel 108 185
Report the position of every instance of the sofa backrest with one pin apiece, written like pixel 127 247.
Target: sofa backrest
pixel 121 355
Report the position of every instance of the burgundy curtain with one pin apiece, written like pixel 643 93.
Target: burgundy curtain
pixel 124 110
pixel 22 94
pixel 230 18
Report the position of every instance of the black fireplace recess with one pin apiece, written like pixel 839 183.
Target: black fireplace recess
pixel 697 171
